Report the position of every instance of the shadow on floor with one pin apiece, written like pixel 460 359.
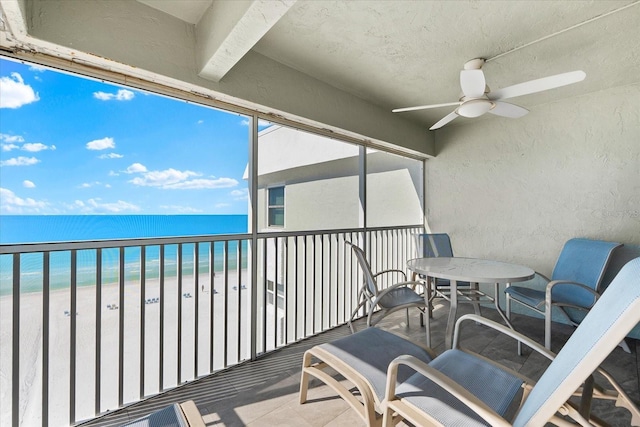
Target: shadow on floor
pixel 265 391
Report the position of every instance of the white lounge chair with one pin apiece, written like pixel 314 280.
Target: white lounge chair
pixel 459 387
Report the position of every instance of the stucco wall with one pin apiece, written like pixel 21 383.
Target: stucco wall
pixel 516 190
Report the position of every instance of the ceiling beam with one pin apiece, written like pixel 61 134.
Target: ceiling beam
pixel 229 29
pixel 14 18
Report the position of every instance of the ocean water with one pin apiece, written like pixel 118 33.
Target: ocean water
pixel 64 228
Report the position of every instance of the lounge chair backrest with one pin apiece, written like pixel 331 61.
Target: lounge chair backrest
pixel 368 278
pixel 583 261
pixel 606 324
pixel 434 245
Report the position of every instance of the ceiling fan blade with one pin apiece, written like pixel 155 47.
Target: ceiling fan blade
pixel 424 107
pixel 446 119
pixel 505 109
pixel 472 83
pixel 538 85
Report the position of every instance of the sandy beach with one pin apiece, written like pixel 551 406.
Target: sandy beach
pixel 31 306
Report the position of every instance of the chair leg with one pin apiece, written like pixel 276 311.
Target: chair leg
pixel 354 312
pixel 304 378
pixel 407 316
pixel 624 345
pixel 430 282
pixel 474 299
pixel 547 326
pixel 587 397
pixel 387 417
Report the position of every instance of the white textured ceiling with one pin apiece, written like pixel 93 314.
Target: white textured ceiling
pixel 188 10
pixel 404 53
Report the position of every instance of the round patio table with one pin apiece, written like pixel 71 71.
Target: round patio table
pixel 473 270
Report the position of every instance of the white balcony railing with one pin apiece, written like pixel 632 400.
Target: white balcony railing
pixel 89 327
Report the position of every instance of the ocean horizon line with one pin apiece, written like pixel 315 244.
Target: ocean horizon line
pixel 16 229
pixel 56 228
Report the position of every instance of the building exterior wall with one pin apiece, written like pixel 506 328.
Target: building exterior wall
pixel 322 183
pixel 321 179
pixel 316 205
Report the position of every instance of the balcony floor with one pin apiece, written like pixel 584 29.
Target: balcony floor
pixel 265 392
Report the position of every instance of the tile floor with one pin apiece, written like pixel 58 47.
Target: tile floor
pixel 265 392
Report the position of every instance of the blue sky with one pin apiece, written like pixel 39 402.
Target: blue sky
pixel 71 145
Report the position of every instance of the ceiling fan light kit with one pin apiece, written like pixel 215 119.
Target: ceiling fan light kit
pixel 478 99
pixel 475 108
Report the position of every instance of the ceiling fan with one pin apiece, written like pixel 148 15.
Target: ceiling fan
pixel 477 99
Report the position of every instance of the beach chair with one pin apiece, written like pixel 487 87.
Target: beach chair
pixel 401 295
pixel 401 379
pixel 574 285
pixel 363 359
pixel 461 388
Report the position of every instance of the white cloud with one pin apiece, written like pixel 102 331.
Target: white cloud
pixel 28 184
pixel 12 204
pixel 95 205
pixel 162 178
pixel 34 147
pixel 92 184
pixel 113 173
pixel 261 122
pixel 202 183
pixel 180 209
pixel 20 161
pixel 110 156
pixel 173 179
pixel 136 168
pixel 124 95
pixel 200 122
pixel 14 93
pixel 9 147
pixel 222 205
pixel 11 138
pixel 101 144
pixel 37 68
pixel 121 95
pixel 242 194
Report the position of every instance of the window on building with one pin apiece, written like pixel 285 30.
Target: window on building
pixel 276 207
pixel 321 176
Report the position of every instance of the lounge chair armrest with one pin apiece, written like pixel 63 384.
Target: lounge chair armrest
pixel 550 286
pixel 462 394
pixel 391 271
pixel 503 329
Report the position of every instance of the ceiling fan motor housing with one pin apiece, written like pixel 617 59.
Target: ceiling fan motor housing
pixel 475 108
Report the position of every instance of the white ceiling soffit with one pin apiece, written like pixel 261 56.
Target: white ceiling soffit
pixel 225 30
pixel 386 53
pixel 229 29
pixel 188 10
